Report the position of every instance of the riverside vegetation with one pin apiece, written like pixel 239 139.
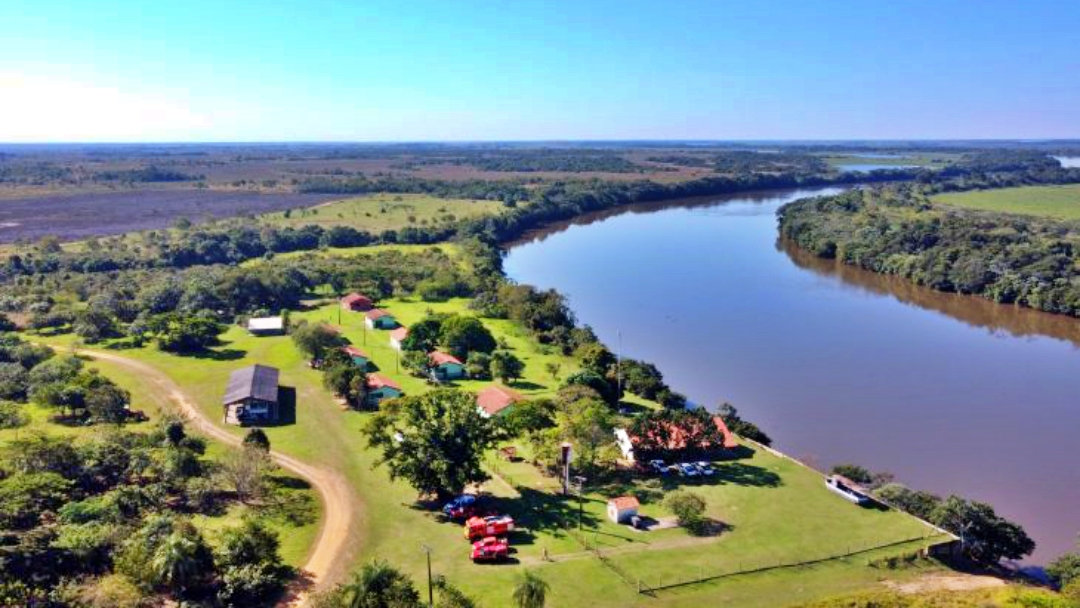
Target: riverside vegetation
pixel 899 229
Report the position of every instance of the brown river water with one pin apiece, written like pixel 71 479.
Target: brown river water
pixel 951 393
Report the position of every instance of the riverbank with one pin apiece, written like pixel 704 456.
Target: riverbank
pixel 835 370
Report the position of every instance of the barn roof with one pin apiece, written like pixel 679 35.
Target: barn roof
pixel 495 399
pixel 625 502
pixel 378 313
pixel 375 381
pixel 255 381
pixel 400 333
pixel 352 351
pixel 265 323
pixel 440 358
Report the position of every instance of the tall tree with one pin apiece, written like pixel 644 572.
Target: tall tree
pixel 436 441
pixel 108 402
pixel 462 335
pixel 316 339
pixel 380 585
pixel 987 537
pixel 183 561
pixel 505 366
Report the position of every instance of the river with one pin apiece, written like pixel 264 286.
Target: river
pixel 950 393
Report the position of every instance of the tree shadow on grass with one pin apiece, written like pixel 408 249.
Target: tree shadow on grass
pixel 222 354
pixel 742 474
pixel 525 385
pixel 535 512
pixel 289 482
pixel 125 344
pixel 647 491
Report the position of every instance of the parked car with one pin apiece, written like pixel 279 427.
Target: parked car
pixel 462 507
pixel 687 470
pixel 658 466
pixel 490 549
pixel 704 468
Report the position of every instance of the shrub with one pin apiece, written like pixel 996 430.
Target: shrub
pixel 854 472
pixel 689 508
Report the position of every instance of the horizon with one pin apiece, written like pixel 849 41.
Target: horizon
pixel 559 141
pixel 130 72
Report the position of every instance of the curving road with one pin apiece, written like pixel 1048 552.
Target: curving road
pixel 335 492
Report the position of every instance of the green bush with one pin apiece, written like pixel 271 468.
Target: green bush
pixel 689 508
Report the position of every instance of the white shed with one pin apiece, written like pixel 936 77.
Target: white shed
pixel 621 509
pixel 266 326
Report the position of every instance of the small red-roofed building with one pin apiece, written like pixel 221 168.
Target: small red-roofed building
pixel 496 400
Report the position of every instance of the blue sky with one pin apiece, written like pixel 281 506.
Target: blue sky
pixel 233 70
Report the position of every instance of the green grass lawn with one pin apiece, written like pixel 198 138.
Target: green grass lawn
pixel 379 212
pixel 777 510
pixel 1061 202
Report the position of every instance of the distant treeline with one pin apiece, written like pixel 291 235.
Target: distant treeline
pixel 528 209
pixel 750 161
pixel 39 173
pixel 532 160
pixel 149 174
pixel 896 230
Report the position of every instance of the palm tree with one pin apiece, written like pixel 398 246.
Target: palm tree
pixel 530 591
pixel 380 585
pixel 180 561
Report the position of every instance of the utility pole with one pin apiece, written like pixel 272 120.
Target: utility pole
pixel 579 486
pixel 430 589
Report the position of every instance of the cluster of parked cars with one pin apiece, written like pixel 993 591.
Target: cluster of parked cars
pixel 486 533
pixel 699 469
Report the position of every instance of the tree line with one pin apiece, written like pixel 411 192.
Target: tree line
pixel 896 230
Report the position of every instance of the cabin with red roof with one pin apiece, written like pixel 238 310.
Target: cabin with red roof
pixel 445 367
pixel 377 318
pixel 357 303
pixel 676 439
pixel 359 357
pixel 398 336
pixel 496 400
pixel 380 387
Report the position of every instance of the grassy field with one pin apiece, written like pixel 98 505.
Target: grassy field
pixel 1061 202
pixel 777 510
pixel 922 160
pixel 379 212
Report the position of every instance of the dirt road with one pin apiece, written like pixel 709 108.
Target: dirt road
pixel 338 507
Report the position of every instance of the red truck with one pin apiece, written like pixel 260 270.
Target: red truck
pixel 493 525
pixel 490 549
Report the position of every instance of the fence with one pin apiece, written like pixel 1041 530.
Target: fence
pixel 765 565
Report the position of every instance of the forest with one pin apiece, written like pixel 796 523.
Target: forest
pixel 896 230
